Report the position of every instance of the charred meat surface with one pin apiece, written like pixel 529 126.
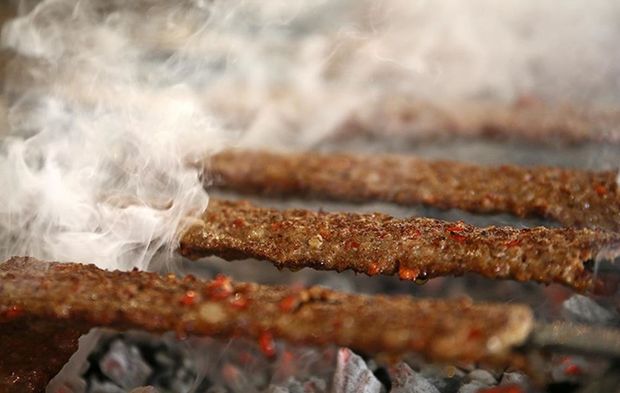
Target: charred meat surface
pixel 573 198
pixel 72 294
pixel 413 249
pixel 33 350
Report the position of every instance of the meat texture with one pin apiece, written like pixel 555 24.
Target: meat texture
pixel 413 249
pixel 574 198
pixel 527 119
pixel 38 299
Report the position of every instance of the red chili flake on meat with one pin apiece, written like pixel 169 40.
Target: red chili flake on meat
pixel 455 228
pixel 601 190
pixel 276 226
pixel 456 232
pixel 325 233
pixel 409 274
pixel 239 301
pixel 512 388
pixel 220 288
pixel 13 312
pixel 289 303
pixel 266 344
pixel 351 244
pixel 189 298
pixel 474 334
pixel 373 269
pixel 573 370
pixel 512 242
pixel 238 223
pixel 459 238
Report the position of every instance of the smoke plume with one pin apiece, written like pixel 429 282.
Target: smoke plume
pixel 113 105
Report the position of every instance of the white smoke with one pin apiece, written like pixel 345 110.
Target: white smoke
pixel 113 103
pixel 98 164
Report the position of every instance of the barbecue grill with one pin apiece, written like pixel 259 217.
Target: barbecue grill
pixel 418 245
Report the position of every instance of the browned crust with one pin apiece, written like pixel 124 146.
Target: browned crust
pixel 571 197
pixel 83 295
pixel 415 248
pixel 33 351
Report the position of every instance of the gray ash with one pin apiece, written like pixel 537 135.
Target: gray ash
pixel 122 362
pixel 125 362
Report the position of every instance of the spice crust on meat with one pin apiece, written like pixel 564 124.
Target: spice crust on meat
pixel 415 248
pixel 574 198
pixel 85 296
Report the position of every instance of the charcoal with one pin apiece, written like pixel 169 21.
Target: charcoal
pixel 105 387
pixel 313 385
pixel 405 380
pixel 447 380
pixel 236 380
pixel 136 360
pixel 569 368
pixel 353 375
pixel 295 386
pixel 514 377
pixel 482 376
pixel 306 364
pixel 145 389
pixel 472 387
pixel 124 365
pixel 277 389
pixel 579 308
pixel 215 389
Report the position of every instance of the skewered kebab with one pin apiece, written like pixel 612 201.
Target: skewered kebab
pixel 571 197
pixel 52 298
pixel 44 307
pixel 527 119
pixel 413 249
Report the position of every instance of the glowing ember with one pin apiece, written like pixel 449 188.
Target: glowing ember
pixel 573 370
pixel 267 345
pixel 502 389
